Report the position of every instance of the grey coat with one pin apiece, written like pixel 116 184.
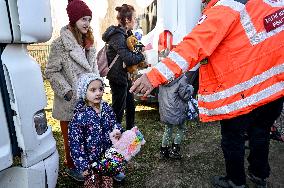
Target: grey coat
pixel 173 99
pixel 67 61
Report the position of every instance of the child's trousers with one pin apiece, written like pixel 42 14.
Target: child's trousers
pixel 167 137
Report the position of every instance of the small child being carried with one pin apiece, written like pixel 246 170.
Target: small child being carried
pixel 173 105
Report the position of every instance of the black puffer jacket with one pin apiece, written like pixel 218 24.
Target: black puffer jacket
pixel 116 37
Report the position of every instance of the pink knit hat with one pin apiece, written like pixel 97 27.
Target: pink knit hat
pixel 77 9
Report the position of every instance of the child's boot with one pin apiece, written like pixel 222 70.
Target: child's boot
pixel 164 153
pixel 175 152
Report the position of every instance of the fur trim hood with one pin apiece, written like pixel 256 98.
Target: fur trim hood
pixel 83 83
pixel 76 51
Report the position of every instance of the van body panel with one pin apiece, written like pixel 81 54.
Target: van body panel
pixel 30 21
pixel 32 177
pixel 6 159
pixel 51 165
pixel 187 19
pixel 13 20
pixel 23 177
pixel 40 17
pixel 28 93
pixel 23 126
pixel 5 34
pixel 167 11
pixel 176 16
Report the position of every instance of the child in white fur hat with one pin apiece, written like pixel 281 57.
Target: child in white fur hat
pixel 89 129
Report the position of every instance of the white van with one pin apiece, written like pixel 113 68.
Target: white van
pixel 28 154
pixel 164 24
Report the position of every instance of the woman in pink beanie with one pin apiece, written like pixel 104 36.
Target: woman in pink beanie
pixel 71 55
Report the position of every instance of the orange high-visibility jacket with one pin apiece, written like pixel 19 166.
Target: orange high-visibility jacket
pixel 244 45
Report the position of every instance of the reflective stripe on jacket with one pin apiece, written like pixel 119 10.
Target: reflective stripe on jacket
pixel 244 45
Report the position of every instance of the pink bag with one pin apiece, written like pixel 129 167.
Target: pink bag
pixel 103 63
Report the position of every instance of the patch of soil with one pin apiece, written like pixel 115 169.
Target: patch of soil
pixel 203 158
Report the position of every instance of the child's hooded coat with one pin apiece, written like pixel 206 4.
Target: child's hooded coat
pixel 89 134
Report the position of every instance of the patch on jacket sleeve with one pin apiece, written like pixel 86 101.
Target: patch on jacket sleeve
pixel 203 17
pixel 274 20
pixel 274 3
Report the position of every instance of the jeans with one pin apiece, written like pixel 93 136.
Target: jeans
pixel 167 137
pixel 122 100
pixel 256 125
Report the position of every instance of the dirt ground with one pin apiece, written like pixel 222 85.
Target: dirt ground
pixel 202 159
pixel 202 155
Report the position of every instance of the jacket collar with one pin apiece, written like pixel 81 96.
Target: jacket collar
pixel 85 59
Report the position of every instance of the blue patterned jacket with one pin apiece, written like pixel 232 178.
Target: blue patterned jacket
pixel 89 134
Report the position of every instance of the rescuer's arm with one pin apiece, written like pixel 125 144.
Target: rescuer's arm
pixel 197 45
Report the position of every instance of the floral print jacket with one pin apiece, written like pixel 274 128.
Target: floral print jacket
pixel 89 134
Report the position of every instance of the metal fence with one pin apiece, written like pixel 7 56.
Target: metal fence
pixel 40 52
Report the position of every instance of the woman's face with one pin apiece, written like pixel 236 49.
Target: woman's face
pixel 83 24
pixel 95 93
pixel 130 24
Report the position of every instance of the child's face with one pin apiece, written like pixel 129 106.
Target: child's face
pixel 95 93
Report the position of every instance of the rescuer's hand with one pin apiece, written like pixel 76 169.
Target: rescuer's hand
pixel 142 85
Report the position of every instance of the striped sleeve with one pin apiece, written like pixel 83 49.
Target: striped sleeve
pixel 196 46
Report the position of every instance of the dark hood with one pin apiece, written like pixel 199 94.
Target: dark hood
pixel 112 30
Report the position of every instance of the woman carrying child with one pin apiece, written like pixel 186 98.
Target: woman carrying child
pixel 119 80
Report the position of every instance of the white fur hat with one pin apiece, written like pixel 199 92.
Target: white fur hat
pixel 83 83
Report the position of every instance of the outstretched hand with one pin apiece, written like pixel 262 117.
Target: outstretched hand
pixel 142 85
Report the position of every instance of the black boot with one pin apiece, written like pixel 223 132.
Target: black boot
pixel 175 152
pixel 225 182
pixel 259 182
pixel 164 153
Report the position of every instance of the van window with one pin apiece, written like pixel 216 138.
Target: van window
pixel 148 18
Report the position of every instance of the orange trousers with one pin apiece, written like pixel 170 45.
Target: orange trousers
pixel 68 162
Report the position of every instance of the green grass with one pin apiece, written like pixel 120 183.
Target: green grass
pixel 202 155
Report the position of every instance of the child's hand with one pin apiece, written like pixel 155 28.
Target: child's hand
pixel 117 135
pixel 85 173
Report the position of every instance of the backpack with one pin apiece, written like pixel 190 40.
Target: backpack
pixel 102 61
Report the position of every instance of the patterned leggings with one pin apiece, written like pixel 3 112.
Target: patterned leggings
pixel 101 182
pixel 167 137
